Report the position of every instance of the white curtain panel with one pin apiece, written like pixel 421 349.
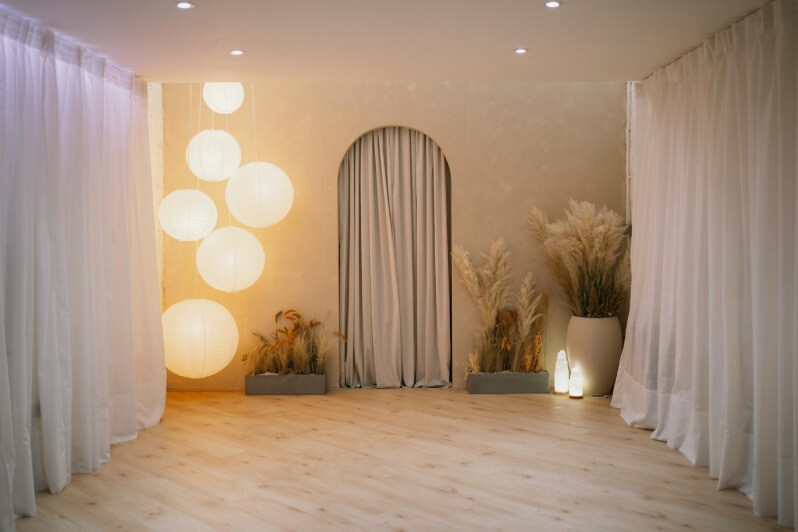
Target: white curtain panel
pixel 81 347
pixel 394 262
pixel 710 356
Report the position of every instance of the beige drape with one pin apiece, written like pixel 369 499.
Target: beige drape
pixel 711 355
pixel 81 345
pixel 394 261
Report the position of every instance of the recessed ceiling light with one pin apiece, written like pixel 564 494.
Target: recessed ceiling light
pixel 552 4
pixel 520 51
pixel 236 52
pixel 184 5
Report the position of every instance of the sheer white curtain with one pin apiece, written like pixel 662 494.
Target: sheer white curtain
pixel 81 348
pixel 710 355
pixel 394 261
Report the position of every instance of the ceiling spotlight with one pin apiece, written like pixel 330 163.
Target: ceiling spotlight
pixel 520 51
pixel 184 5
pixel 236 52
pixel 552 4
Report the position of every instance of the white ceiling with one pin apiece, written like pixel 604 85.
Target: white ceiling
pixel 584 40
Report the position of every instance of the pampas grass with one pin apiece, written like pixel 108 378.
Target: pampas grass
pixel 588 256
pixel 299 347
pixel 509 339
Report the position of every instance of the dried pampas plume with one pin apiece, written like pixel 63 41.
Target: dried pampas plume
pixel 588 257
pixel 489 285
pixel 509 339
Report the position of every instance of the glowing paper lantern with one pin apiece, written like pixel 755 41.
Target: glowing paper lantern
pixel 259 194
pixel 223 98
pixel 200 338
pixel 230 259
pixel 575 384
pixel 187 215
pixel 213 155
pixel 561 373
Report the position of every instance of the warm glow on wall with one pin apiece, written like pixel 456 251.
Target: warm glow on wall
pixel 223 98
pixel 259 194
pixel 187 215
pixel 200 338
pixel 213 155
pixel 230 259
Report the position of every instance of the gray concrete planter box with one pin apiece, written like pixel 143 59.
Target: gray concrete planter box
pixel 291 384
pixel 508 382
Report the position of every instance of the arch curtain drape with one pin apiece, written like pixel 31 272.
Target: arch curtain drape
pixel 81 347
pixel 394 262
pixel 710 356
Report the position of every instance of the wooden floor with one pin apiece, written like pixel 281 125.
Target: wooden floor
pixel 393 459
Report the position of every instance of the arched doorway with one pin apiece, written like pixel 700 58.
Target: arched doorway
pixel 394 261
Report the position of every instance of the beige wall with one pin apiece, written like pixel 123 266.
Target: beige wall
pixel 506 143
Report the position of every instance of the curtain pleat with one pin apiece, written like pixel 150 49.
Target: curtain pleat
pixel 394 262
pixel 81 347
pixel 710 356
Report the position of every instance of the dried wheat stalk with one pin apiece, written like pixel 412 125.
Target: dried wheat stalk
pixel 298 347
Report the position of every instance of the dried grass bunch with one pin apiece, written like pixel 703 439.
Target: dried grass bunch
pixel 588 256
pixel 509 339
pixel 298 347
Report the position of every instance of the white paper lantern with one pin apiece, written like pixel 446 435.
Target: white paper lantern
pixel 259 194
pixel 200 338
pixel 213 155
pixel 223 98
pixel 230 259
pixel 187 215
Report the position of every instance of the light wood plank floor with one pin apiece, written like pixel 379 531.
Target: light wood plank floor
pixel 393 459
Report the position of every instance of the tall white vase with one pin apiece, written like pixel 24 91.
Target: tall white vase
pixel 594 344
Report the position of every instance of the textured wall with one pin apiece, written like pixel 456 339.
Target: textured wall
pixel 506 143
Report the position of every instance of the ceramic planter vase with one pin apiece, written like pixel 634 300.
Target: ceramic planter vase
pixel 594 344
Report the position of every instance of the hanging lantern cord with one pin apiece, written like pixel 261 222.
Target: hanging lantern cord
pixel 229 214
pixel 190 109
pixel 196 242
pixel 254 123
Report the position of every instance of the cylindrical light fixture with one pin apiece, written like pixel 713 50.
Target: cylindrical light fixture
pixel 200 338
pixel 213 155
pixel 575 383
pixel 223 97
pixel 259 194
pixel 230 259
pixel 187 214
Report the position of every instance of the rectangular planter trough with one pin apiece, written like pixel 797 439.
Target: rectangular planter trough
pixel 508 382
pixel 285 384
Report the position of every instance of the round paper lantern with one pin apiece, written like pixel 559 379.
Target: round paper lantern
pixel 230 259
pixel 213 155
pixel 187 215
pixel 223 98
pixel 200 338
pixel 259 194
